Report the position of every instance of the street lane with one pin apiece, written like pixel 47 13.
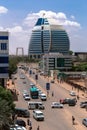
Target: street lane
pixel 54 118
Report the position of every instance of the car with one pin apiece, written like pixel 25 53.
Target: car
pixel 17 127
pixel 27 97
pixel 83 104
pixel 69 101
pixel 64 101
pixel 72 93
pixel 25 92
pixel 43 97
pixel 56 105
pixel 38 115
pixel 22 112
pixel 22 77
pixel 20 122
pixel 40 92
pixel 84 122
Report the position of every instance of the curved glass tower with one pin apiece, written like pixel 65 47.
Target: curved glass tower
pixel 48 37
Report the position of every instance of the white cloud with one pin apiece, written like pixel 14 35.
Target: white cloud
pixel 60 17
pixel 3 10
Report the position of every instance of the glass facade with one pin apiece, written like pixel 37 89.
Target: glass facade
pixel 46 38
pixel 4 54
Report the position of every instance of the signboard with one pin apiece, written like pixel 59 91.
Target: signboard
pixel 47 86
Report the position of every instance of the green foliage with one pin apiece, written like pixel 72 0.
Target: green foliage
pixel 80 67
pixel 6 108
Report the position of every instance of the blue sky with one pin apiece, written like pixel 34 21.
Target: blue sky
pixel 19 17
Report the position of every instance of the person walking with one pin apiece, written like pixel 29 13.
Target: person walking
pixel 73 120
pixel 52 94
pixel 38 128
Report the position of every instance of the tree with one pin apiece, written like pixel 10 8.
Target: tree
pixel 6 108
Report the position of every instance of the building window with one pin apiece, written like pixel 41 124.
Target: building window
pixel 3 46
pixel 4 59
pixel 3 70
pixel 3 37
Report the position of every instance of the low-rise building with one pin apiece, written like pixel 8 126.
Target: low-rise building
pixel 56 61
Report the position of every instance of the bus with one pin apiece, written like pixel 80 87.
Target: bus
pixel 34 92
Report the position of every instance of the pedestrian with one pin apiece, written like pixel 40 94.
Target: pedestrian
pixel 38 128
pixel 73 120
pixel 78 97
pixel 28 121
pixel 86 107
pixel 52 93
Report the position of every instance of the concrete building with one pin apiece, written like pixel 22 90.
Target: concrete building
pixel 4 56
pixel 81 56
pixel 47 36
pixel 56 61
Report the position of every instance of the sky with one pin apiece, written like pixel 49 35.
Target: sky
pixel 18 17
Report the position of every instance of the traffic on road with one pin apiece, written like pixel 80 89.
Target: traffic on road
pixel 36 102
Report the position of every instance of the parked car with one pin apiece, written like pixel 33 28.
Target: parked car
pixel 17 127
pixel 21 112
pixel 72 93
pixel 20 122
pixel 83 104
pixel 56 105
pixel 84 122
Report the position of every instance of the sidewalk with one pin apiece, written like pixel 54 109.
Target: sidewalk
pixel 71 88
pixel 12 87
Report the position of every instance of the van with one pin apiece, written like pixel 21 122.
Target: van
pixel 35 105
pixel 38 115
pixel 21 112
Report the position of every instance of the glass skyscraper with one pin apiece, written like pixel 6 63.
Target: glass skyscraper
pixel 47 36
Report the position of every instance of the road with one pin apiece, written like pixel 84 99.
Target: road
pixel 54 118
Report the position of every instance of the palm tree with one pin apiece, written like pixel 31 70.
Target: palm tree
pixel 5 115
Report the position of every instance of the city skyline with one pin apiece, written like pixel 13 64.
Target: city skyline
pixel 19 18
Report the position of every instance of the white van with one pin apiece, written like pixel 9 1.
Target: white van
pixel 35 105
pixel 38 115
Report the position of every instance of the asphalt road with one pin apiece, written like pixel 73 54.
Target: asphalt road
pixel 55 119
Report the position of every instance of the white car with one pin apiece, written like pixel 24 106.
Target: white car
pixel 25 92
pixel 72 93
pixel 43 97
pixel 17 127
pixel 27 97
pixel 56 105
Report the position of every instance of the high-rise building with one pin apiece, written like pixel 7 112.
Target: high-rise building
pixel 4 55
pixel 47 36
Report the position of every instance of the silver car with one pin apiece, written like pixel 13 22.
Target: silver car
pixel 84 121
pixel 56 105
